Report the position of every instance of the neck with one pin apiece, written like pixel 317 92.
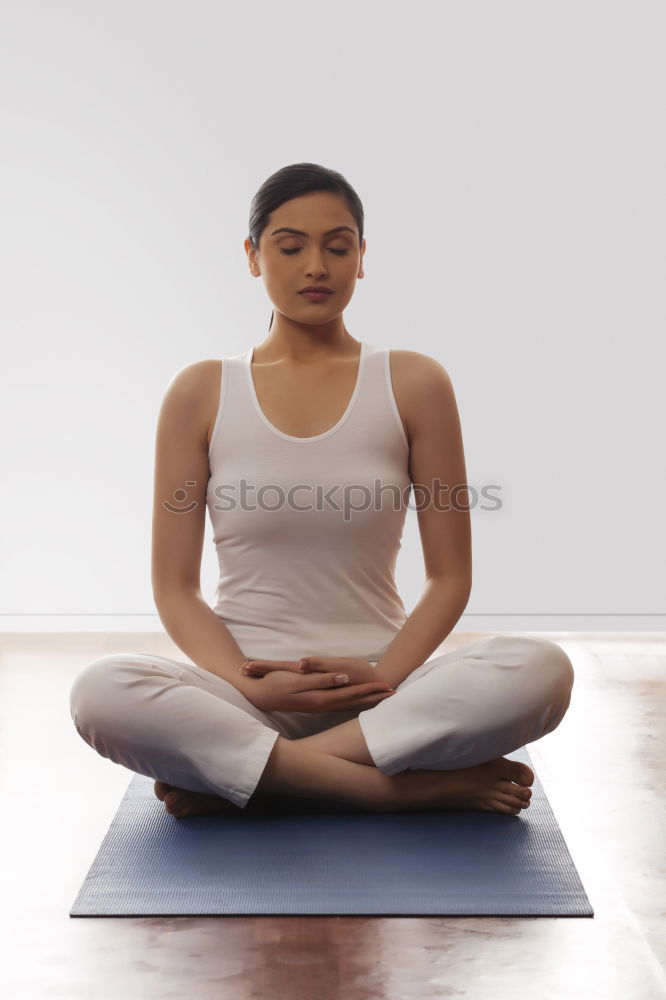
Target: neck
pixel 300 346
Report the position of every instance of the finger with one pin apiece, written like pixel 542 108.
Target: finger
pixel 335 679
pixel 274 664
pixel 357 692
pixel 308 664
pixel 257 668
pixel 368 687
pixel 327 664
pixel 373 699
pixel 254 671
pixel 349 699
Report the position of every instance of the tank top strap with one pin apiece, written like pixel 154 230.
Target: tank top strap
pixel 234 403
pixel 376 410
pixel 373 411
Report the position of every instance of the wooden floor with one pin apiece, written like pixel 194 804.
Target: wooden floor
pixel 603 770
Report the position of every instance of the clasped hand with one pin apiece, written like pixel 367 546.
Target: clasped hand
pixel 309 684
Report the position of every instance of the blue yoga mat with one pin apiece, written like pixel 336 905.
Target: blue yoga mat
pixel 318 858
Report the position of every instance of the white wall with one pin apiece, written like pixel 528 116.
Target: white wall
pixel 511 161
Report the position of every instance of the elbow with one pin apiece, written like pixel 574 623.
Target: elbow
pixel 464 589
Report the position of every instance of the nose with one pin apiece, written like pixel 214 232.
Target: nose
pixel 315 263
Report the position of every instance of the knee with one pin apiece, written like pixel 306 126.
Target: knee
pixel 553 664
pixel 538 654
pixel 91 692
pixel 557 663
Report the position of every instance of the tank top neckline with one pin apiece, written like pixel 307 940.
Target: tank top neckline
pixel 317 437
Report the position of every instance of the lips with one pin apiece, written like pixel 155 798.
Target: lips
pixel 315 291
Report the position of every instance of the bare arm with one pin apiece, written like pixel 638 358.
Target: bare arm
pixel 436 462
pixel 179 515
pixel 195 628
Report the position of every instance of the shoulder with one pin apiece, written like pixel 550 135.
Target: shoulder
pixel 191 379
pixel 420 383
pixel 194 392
pixel 416 366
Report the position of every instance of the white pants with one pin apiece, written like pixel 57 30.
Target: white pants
pixel 190 728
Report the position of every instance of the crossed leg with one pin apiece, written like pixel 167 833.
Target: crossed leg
pixel 346 741
pixel 479 702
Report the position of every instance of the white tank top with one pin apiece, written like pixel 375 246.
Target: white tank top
pixel 307 530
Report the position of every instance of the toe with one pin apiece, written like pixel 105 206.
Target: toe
pixel 519 792
pixel 513 796
pixel 178 803
pixel 523 774
pixel 161 789
pixel 172 800
pixel 501 804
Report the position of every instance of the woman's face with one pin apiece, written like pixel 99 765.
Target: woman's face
pixel 289 261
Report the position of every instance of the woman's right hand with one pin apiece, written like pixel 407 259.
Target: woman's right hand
pixel 289 691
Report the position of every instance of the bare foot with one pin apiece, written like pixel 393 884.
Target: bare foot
pixel 180 802
pixel 498 785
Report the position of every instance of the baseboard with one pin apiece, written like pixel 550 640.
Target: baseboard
pixel 469 622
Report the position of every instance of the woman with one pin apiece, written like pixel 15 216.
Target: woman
pixel 304 451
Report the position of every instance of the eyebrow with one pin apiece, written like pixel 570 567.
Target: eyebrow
pixel 299 232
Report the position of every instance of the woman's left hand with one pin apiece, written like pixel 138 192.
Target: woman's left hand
pixel 358 670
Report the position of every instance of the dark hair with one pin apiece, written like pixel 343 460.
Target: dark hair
pixel 291 182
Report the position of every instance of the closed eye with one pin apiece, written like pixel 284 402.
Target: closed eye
pixel 297 249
